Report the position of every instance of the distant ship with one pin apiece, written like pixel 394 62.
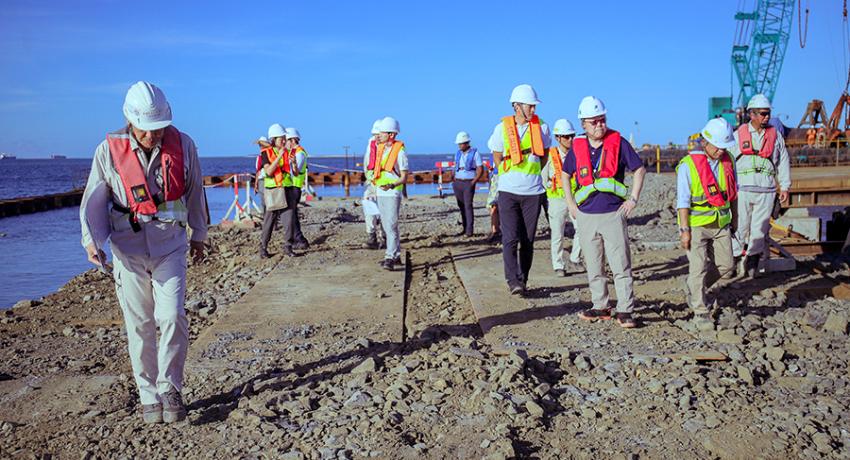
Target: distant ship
pixel 58 157
pixel 7 156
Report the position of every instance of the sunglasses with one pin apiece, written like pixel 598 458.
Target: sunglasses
pixel 566 136
pixel 764 114
pixel 598 121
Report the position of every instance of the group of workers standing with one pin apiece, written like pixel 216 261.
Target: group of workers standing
pixel 282 168
pixel 725 198
pixel 725 195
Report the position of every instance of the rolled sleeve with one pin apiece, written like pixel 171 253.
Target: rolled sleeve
pixel 477 159
pixel 496 143
pixel 402 161
pixel 96 176
pixel 547 136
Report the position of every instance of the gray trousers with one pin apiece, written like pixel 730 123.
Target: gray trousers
pixel 271 219
pixel 709 258
pixel 464 194
pixel 754 209
pixel 606 236
pixel 390 207
pixel 297 235
pixel 558 214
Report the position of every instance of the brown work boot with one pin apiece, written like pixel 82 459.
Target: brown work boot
pixel 594 314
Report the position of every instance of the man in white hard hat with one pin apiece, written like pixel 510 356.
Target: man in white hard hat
pixel 762 163
pixel 519 144
pixel 298 156
pixel 154 177
pixel 370 196
pixel 555 180
pixel 706 191
pixel 468 170
pixel 598 162
pixel 389 173
pixel 278 168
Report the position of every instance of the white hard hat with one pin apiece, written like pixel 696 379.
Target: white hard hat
pixel 292 133
pixel 591 107
pixel 376 126
pixel 262 139
pixel 146 108
pixel 276 130
pixel 759 101
pixel 462 137
pixel 563 128
pixel 524 94
pixel 719 133
pixel 389 125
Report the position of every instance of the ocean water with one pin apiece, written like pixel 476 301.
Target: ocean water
pixel 40 252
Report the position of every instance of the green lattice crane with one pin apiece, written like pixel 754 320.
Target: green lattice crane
pixel 761 38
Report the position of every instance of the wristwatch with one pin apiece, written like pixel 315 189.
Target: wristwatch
pixel 632 199
pixel 684 230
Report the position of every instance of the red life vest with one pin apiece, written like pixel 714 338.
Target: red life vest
pixel 373 153
pixel 607 164
pixel 710 186
pixel 140 200
pixel 745 141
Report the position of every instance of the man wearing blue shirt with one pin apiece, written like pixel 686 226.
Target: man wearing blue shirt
pixel 601 205
pixel 468 170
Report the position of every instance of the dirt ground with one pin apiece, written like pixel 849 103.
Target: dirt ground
pixel 350 387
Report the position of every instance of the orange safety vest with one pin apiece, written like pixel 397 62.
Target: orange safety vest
pixel 509 125
pixel 555 158
pixel 389 165
pixel 607 164
pixel 139 197
pixel 745 141
pixel 274 158
pixel 709 183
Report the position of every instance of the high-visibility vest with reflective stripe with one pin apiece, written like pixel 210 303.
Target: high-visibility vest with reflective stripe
pixel 387 164
pixel 529 157
pixel 555 190
pixel 701 212
pixel 281 176
pixel 753 161
pixel 299 179
pixel 602 179
pixel 167 205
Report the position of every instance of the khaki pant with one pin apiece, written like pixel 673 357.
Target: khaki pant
pixel 709 258
pixel 606 236
pixel 390 207
pixel 754 209
pixel 151 292
pixel 557 221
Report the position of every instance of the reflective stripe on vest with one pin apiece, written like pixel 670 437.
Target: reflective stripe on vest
pixel 602 179
pixel 299 179
pixel 701 212
pixel 555 191
pixel 528 156
pixel 167 205
pixel 387 165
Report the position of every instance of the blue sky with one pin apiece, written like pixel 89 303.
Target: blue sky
pixel 331 68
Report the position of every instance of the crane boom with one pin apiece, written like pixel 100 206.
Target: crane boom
pixel 757 58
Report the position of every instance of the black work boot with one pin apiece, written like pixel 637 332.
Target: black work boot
pixel 751 265
pixel 371 242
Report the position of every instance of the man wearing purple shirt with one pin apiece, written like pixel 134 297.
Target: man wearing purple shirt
pixel 601 209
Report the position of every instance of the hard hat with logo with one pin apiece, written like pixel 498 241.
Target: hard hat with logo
pixel 146 108
pixel 389 125
pixel 292 133
pixel 759 101
pixel 462 137
pixel 524 94
pixel 376 126
pixel 719 133
pixel 563 128
pixel 276 130
pixel 590 107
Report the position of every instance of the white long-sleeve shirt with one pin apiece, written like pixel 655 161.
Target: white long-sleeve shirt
pixel 761 182
pixel 156 238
